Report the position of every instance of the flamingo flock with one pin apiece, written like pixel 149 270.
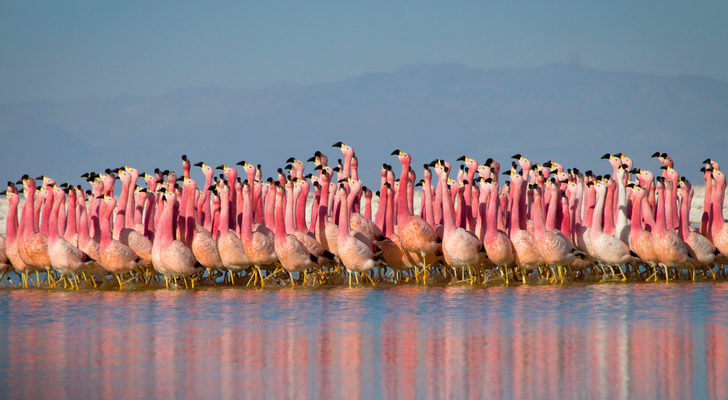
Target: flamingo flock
pixel 546 224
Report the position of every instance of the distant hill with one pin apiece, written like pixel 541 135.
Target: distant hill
pixel 570 114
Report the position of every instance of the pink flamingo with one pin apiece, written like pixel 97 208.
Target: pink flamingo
pixel 699 247
pixel 11 230
pixel 641 241
pixel 356 255
pixel 525 251
pixel 323 256
pixel 554 247
pixel 460 248
pixel 415 233
pixel 229 244
pixel 171 257
pixel 115 257
pixel 718 227
pixel 671 251
pixel 259 247
pixel 65 257
pixel 32 244
pixel 292 254
pixel 497 245
pixel 606 248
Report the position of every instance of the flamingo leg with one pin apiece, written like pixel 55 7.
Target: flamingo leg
pixel 349 278
pixel 370 278
pixel 667 276
pixel 290 274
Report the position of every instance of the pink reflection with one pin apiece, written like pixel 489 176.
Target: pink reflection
pixel 224 344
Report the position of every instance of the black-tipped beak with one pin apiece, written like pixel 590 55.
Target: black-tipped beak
pixel 220 167
pixel 663 167
pixel 634 171
pixel 198 164
pixel 312 159
pixel 461 158
pixel 180 179
pixel 516 156
pixel 606 156
pixel 337 144
pixel 506 173
pixel 655 154
pixel 396 152
pixel 319 167
pixel 100 197
pixel 290 160
pixel 707 161
pixel 39 177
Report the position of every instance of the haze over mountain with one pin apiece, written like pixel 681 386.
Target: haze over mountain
pixel 567 113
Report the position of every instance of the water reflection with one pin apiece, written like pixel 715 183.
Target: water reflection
pixel 598 341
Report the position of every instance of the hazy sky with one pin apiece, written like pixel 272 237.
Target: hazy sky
pixel 60 50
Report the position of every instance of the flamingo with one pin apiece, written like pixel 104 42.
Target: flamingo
pixel 292 254
pixel 32 244
pixel 415 233
pixel 497 245
pixel 171 257
pixel 671 251
pixel 11 230
pixel 526 254
pixel 229 245
pixel 259 247
pixel 641 241
pixel 356 255
pixel 554 248
pixel 699 247
pixel 64 256
pixel 606 248
pixel 718 227
pixel 460 248
pixel 114 256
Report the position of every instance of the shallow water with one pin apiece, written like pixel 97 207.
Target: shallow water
pixel 576 341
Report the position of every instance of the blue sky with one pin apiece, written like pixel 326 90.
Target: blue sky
pixel 63 50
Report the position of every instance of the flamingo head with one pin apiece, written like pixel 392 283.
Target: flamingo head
pixel 404 158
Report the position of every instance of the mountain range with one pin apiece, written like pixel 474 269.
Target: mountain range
pixel 568 113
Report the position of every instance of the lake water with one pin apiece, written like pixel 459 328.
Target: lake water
pixel 576 341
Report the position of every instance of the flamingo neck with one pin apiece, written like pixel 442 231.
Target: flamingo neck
pixel 289 211
pixel 224 210
pixel 660 222
pixel 280 225
pixel 247 230
pixel 717 217
pixel 636 222
pixel 11 222
pixel 323 205
pixel 301 208
pixel 343 220
pixel 402 208
pixel 71 228
pixel 105 223
pixel 388 200
pixel 608 224
pixel 684 214
pixel 538 223
pixel 46 213
pixel 553 209
pixel 447 215
pixel 596 225
pixel 491 226
pixel 53 222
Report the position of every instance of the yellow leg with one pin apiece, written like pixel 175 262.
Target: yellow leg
pixel 232 278
pixel 349 278
pixel 290 274
pixel 667 276
pixel 370 279
pixel 37 279
pixel 305 277
pixel 166 282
